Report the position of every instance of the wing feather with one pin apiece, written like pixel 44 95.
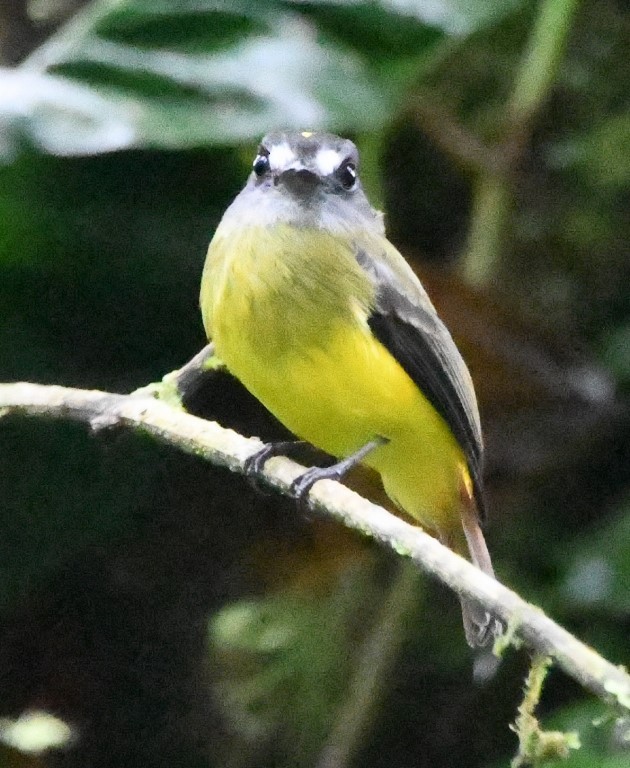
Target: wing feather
pixel 406 323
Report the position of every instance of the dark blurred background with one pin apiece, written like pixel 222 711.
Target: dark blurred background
pixel 157 608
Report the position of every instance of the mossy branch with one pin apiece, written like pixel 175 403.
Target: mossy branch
pixel 535 746
pixel 225 448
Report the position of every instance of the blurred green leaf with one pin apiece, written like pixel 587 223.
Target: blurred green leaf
pixel 458 17
pixel 602 155
pixel 616 352
pixel 35 732
pixel 285 661
pixel 171 75
pixel 607 152
pixel 599 567
pixel 378 31
pixel 189 27
pixel 181 75
pixel 602 738
pixel 59 116
pixel 454 17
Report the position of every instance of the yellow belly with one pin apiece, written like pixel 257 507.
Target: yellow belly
pixel 343 395
pixel 287 310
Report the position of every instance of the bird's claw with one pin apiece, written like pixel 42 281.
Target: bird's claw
pixel 254 464
pixel 301 486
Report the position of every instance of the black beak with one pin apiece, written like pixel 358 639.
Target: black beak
pixel 299 182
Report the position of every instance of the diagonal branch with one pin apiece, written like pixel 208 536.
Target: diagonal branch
pixel 226 448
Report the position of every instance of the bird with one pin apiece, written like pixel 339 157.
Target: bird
pixel 319 316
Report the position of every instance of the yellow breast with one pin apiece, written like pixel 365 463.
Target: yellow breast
pixel 289 319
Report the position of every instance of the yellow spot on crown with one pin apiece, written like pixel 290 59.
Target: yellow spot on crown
pixel 307 134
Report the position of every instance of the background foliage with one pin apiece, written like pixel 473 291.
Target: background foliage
pixel 166 612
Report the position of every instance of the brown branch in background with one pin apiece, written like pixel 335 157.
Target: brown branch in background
pixel 226 448
pixel 493 166
pixel 24 26
pixel 447 133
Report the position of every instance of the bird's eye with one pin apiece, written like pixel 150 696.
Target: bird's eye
pixel 261 165
pixel 347 175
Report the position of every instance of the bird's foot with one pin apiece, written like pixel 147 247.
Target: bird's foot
pixel 301 486
pixel 255 464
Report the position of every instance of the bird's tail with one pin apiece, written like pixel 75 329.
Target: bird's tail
pixel 480 626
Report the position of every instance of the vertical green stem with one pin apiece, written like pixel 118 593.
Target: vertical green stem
pixel 378 654
pixel 541 59
pixel 535 77
pixel 492 202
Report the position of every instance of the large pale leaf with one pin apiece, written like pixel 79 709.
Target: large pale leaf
pixel 178 74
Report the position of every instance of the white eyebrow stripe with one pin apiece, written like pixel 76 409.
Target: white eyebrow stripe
pixel 281 156
pixel 327 161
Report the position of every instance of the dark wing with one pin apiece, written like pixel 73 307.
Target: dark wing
pixel 405 322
